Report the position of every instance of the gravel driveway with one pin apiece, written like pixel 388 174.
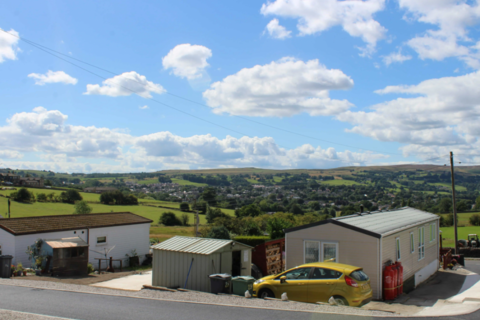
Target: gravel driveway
pixel 193 296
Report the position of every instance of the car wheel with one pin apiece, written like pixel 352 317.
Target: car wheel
pixel 266 293
pixel 341 301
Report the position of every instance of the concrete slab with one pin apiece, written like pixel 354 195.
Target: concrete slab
pixel 130 283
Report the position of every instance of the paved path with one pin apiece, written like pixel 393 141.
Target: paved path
pixel 72 305
pixel 134 282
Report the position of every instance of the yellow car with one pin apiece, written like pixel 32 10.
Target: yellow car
pixel 317 282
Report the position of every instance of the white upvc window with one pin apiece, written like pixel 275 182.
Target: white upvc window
pixel 432 232
pixel 399 253
pixel 412 243
pixel 102 240
pixel 319 251
pixel 421 243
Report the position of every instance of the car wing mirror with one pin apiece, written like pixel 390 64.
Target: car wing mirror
pixel 283 279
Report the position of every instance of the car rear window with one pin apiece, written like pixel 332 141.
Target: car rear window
pixel 359 275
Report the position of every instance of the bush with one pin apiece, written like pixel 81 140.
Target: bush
pixel 276 226
pixel 252 241
pixel 213 213
pixel 82 207
pixel 22 195
pixel 184 206
pixel 42 197
pixel 118 198
pixel 449 221
pixel 252 229
pixel 169 219
pixel 90 268
pixel 185 218
pixel 219 233
pixel 70 196
pixel 475 220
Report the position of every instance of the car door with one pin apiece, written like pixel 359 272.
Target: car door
pixel 295 285
pixel 321 284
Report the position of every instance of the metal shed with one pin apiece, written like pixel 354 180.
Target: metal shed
pixel 173 258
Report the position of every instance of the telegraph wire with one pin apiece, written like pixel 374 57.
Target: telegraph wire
pixel 47 50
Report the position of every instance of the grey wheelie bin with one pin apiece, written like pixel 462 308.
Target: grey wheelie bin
pixel 220 283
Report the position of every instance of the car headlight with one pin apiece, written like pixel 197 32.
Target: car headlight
pixel 259 281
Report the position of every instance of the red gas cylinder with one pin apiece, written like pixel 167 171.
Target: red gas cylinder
pixel 399 278
pixel 389 283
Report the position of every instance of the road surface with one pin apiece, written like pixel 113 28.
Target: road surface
pixel 89 306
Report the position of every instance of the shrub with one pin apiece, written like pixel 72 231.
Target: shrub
pixel 219 233
pixel 276 226
pixel 90 268
pixel 170 219
pixel 70 196
pixel 449 221
pixel 184 206
pixel 22 195
pixel 185 218
pixel 42 197
pixel 82 207
pixel 213 213
pixel 118 198
pixel 252 229
pixel 475 220
pixel 252 241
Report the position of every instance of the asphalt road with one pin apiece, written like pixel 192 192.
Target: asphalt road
pixel 89 306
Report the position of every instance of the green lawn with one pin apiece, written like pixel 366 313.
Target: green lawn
pixel 163 233
pixel 86 196
pixel 449 186
pixel 463 217
pixel 252 181
pixel 188 183
pixel 340 182
pixel 448 234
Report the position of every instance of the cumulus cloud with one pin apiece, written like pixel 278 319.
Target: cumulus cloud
pixel 52 77
pixel 452 18
pixel 395 57
pixel 280 89
pixel 275 30
pixel 441 113
pixel 187 61
pixel 125 84
pixel 64 147
pixel 9 45
pixel 315 16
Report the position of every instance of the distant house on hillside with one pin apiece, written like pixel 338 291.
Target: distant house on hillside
pixel 98 189
pixel 31 182
pixel 100 231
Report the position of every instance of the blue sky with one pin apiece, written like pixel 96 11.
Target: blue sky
pixel 358 82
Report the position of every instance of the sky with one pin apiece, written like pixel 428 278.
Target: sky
pixel 140 86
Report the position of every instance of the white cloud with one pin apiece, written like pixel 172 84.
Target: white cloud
pixel 453 18
pixel 8 45
pixel 315 16
pixel 275 30
pixel 52 77
pixel 143 107
pixel 9 154
pixel 280 89
pixel 395 57
pixel 125 84
pixel 442 114
pixel 63 147
pixel 187 61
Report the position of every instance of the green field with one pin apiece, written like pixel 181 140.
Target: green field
pixel 449 236
pixel 449 186
pixel 188 183
pixel 340 182
pixel 86 196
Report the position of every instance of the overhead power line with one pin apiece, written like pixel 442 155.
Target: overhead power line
pixel 51 52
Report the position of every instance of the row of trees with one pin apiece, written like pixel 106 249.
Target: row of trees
pixel 118 198
pixel 69 196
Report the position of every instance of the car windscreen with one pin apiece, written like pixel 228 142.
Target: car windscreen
pixel 359 275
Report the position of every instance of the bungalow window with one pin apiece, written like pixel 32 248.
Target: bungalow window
pixel 397 240
pixel 101 240
pixel 312 251
pixel 412 243
pixel 317 251
pixel 421 243
pixel 432 232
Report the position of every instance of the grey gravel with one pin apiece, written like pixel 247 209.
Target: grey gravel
pixel 195 296
pixel 14 315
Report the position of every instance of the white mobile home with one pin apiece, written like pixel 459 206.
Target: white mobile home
pixel 371 240
pixel 124 230
pixel 187 260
